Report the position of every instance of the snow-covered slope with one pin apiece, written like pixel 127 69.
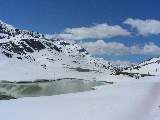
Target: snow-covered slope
pixel 151 66
pixel 30 55
pixel 137 100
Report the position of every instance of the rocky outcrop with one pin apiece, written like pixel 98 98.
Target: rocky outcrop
pixel 6 97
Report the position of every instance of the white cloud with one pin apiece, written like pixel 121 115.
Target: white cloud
pixel 96 31
pixel 122 63
pixel 108 48
pixel 146 49
pixel 101 47
pixel 151 48
pixel 144 27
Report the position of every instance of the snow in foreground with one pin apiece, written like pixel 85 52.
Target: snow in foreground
pixel 134 100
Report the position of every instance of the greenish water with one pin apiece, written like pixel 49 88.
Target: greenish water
pixel 37 89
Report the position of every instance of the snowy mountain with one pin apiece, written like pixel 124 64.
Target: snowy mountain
pixel 149 67
pixel 29 55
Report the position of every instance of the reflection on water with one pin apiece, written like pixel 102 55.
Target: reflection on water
pixel 46 88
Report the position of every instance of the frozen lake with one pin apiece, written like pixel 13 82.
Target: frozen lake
pixel 46 88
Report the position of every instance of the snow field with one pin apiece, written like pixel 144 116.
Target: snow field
pixel 130 101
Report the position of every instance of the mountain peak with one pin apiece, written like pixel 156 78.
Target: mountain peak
pixel 6 26
pixel 8 32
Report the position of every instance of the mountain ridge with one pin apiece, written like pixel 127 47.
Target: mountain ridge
pixel 48 53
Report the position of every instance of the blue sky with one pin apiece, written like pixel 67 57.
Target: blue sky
pixel 113 29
